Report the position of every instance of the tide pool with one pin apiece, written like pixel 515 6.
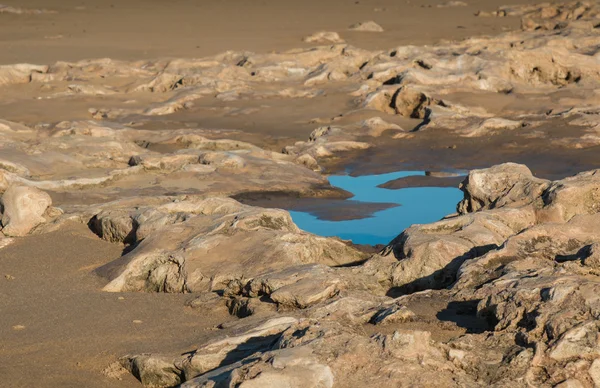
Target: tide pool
pixel 417 205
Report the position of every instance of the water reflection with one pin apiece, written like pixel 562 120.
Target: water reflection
pixel 418 205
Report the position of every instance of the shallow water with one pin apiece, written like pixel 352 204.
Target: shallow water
pixel 417 205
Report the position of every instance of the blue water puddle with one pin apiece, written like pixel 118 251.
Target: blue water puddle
pixel 418 205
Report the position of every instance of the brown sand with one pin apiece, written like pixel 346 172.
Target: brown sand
pixel 136 29
pixel 72 330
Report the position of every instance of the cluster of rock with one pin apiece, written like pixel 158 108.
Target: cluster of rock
pixel 522 252
pixel 519 260
pixel 423 83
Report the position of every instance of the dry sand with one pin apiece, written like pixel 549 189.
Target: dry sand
pixel 137 29
pixel 59 330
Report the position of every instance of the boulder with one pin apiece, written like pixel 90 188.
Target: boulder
pixel 23 209
pixel 507 184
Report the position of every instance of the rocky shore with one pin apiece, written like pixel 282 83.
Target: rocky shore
pixel 137 204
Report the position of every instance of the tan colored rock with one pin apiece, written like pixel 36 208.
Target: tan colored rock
pixel 298 287
pixel 507 184
pixel 229 350
pixel 429 256
pixel 368 26
pixel 205 250
pixel 409 102
pixel 23 209
pixel 19 74
pixel 323 37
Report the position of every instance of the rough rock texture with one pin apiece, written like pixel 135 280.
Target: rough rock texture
pixel 502 293
pixel 203 244
pixel 22 209
pixel 506 184
pixel 521 269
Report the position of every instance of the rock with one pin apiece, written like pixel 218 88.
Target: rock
pixel 203 245
pixel 19 74
pixel 323 37
pixel 368 26
pixel 594 372
pixel 297 287
pixel 375 126
pixel 581 341
pixel 114 226
pixel 5 241
pixel 579 194
pixel 152 371
pixel 230 350
pixel 348 309
pixel 429 256
pixel 291 367
pixel 507 184
pixel 394 314
pixel 409 102
pixel 492 126
pixel 23 209
pixel 21 11
pixel 570 383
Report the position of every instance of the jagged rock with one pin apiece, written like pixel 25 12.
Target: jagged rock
pixel 23 209
pixel 351 309
pixel 230 350
pixel 294 368
pixel 298 287
pixel 429 256
pixel 579 194
pixel 203 245
pixel 507 184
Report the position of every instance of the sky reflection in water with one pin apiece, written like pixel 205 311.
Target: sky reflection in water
pixel 419 205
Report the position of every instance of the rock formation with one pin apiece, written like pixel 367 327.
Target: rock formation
pixel 502 292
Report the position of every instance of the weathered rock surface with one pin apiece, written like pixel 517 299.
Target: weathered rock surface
pixel 204 244
pixel 503 293
pixel 22 209
pixel 531 278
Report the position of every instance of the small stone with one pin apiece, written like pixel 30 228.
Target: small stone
pixel 18 327
pixel 121 298
pixel 9 277
pixel 369 26
pixel 137 321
